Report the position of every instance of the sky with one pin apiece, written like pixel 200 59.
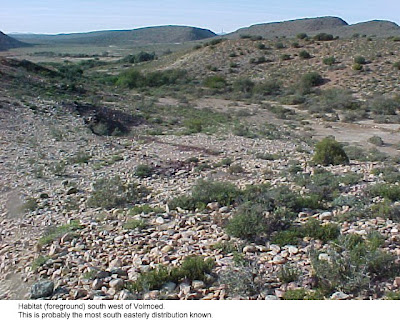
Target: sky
pixel 69 16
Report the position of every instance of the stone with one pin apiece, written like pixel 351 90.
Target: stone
pixel 166 249
pixel 97 284
pixel 271 297
pixel 326 215
pixel 278 260
pixel 197 284
pixel 213 206
pixel 160 220
pixel 168 287
pixel 126 295
pixel 249 249
pixel 42 289
pixel 324 257
pixel 80 293
pixel 117 284
pixel 119 239
pixel 396 282
pixel 71 190
pixel 293 250
pixel 339 296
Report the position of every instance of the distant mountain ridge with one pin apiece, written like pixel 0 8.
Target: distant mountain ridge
pixel 332 25
pixel 7 42
pixel 146 35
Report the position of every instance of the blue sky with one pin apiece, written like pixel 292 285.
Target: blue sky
pixel 66 16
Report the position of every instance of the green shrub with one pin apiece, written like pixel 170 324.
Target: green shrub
pixel 330 152
pixel 192 268
pixel 216 82
pixel 279 45
pixel 357 67
pixel 389 174
pixel 301 35
pixel 205 192
pixel 134 224
pixel 112 192
pixel 330 60
pixel 38 262
pixel 288 274
pixel 268 88
pixel 135 79
pixel 251 223
pixel 384 106
pixel 360 60
pixel 323 37
pixel 311 79
pixel 244 85
pixel 304 54
pixel 143 171
pixel 376 140
pixel 396 65
pixel 52 233
pixel 386 191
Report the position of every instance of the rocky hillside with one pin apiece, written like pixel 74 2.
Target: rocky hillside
pixel 140 36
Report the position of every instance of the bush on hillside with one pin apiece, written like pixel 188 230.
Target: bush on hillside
pixel 330 152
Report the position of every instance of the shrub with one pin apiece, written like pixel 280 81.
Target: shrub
pixel 52 233
pixel 288 274
pixel 285 57
pixel 250 222
pixel 135 79
pixel 38 262
pixel 301 35
pixel 323 37
pixel 384 106
pixel 112 192
pixel 329 60
pixel 330 152
pixel 143 171
pixel 268 88
pixel 311 79
pixel 243 281
pixel 205 192
pixel 216 82
pixel 376 140
pixel 396 65
pixel 386 191
pixel 235 169
pixel 357 67
pixel 134 224
pixel 139 57
pixel 244 85
pixel 304 54
pixel 352 264
pixel 360 60
pixel 192 268
pixel 279 45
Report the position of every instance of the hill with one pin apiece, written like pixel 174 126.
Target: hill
pixel 290 27
pixel 140 36
pixel 312 26
pixel 7 42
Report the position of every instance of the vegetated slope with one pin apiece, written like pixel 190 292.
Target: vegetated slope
pixel 290 27
pixel 147 35
pixel 7 42
pixel 262 60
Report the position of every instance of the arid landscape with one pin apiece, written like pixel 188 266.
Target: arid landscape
pixel 173 163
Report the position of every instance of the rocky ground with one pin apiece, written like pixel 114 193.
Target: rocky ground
pixel 46 180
